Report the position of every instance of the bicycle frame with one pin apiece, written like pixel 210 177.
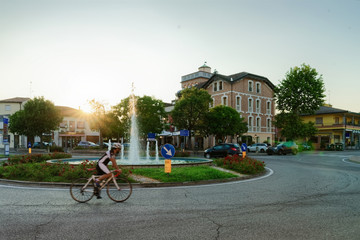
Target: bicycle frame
pixel 93 177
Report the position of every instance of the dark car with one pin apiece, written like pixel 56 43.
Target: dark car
pixel 283 148
pixel 222 150
pixel 40 145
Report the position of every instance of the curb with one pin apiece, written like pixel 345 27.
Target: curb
pixel 136 185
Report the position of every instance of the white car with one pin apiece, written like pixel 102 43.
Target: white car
pixel 258 147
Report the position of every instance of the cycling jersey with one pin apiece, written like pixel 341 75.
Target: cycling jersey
pixel 102 163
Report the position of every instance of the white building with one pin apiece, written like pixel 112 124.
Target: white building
pixel 7 108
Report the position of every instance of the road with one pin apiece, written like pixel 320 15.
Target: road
pixel 307 196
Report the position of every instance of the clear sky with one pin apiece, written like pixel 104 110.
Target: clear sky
pixel 72 51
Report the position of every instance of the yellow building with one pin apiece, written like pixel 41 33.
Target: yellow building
pixel 335 126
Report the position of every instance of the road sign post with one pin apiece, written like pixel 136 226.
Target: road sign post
pixel 243 149
pixel 168 151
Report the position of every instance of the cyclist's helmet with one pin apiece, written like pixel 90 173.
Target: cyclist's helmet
pixel 116 146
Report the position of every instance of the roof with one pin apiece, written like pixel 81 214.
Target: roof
pixel 71 112
pixel 15 100
pixel 237 77
pixel 329 110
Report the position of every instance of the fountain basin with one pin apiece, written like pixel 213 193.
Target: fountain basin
pixel 144 162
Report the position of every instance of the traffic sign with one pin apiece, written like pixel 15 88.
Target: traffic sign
pixel 184 133
pixel 244 147
pixel 168 151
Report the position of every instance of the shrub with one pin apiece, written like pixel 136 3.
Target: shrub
pixel 245 165
pixel 35 158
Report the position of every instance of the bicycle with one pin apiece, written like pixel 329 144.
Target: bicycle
pixel 118 189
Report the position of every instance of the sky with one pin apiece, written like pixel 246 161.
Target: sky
pixel 73 51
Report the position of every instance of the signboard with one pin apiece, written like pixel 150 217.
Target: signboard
pixel 168 151
pixel 5 130
pixel 184 133
pixel 151 137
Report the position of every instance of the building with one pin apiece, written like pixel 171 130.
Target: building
pixel 7 108
pixel 74 128
pixel 335 126
pixel 251 95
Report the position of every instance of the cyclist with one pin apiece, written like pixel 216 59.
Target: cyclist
pixel 102 168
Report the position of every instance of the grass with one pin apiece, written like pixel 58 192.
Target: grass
pixel 35 168
pixel 183 174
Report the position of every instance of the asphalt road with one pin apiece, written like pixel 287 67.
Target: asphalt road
pixel 307 196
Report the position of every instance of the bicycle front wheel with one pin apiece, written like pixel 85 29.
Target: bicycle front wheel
pixel 119 189
pixel 81 193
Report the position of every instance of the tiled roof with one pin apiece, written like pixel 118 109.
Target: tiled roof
pixel 330 110
pixel 15 100
pixel 238 77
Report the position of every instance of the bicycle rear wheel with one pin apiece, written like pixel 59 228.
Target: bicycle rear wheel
pixel 79 192
pixel 122 193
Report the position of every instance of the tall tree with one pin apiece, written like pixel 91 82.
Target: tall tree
pixel 223 121
pixel 301 92
pixel 38 117
pixel 191 110
pixel 151 113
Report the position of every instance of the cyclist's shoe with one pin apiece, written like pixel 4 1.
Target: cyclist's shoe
pixel 98 197
pixel 96 191
pixel 97 183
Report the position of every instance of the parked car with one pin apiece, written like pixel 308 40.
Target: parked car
pixel 39 145
pixel 304 146
pixel 222 150
pixel 283 148
pixel 257 147
pixel 87 144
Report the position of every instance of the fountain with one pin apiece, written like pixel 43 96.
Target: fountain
pixel 134 133
pixel 134 159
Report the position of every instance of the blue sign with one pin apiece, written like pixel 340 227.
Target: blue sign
pixel 244 147
pixel 184 133
pixel 168 151
pixel 151 136
pixel 29 145
pixel 6 121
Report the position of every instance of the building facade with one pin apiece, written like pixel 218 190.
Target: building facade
pixel 74 128
pixel 335 126
pixel 252 96
pixel 7 108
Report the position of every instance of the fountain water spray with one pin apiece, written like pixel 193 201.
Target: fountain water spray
pixel 134 132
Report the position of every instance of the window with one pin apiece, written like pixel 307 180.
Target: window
pixel 258 87
pixel 250 86
pixel 224 101
pixel 337 120
pixel 63 124
pixel 80 124
pixel 7 107
pixel 258 105
pixel 319 120
pixel 268 107
pixel 258 124
pixel 250 106
pixel 212 103
pixel 238 103
pixel 218 86
pixel 250 124
pixel 72 126
pixel 268 125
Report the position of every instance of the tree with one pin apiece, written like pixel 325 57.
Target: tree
pixel 223 121
pixel 191 109
pixel 150 115
pixel 38 117
pixel 149 112
pixel 301 92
